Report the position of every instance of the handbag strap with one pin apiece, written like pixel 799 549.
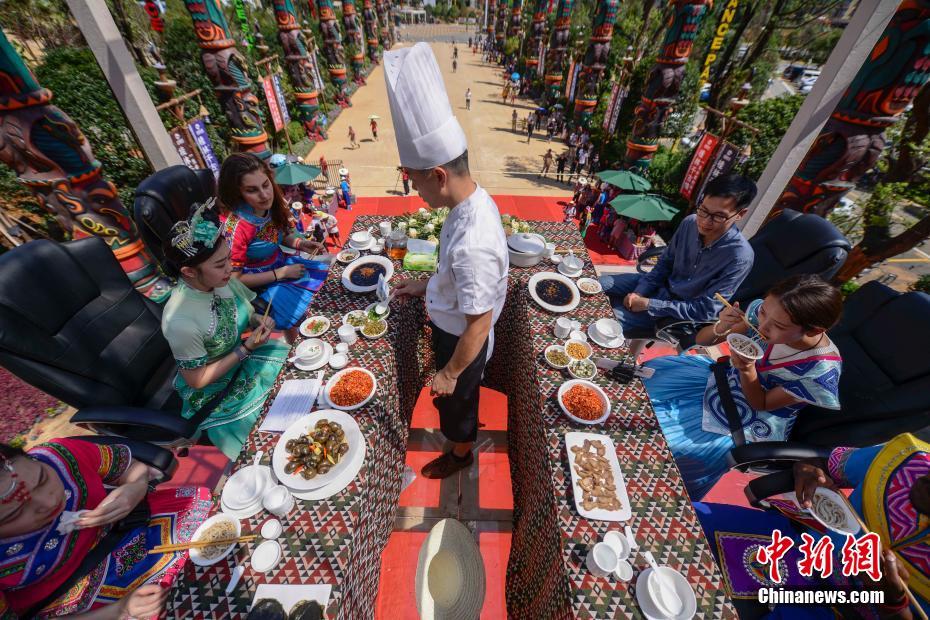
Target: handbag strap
pixel 139 515
pixel 726 401
pixel 216 399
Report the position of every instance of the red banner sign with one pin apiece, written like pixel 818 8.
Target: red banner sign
pixel 724 160
pixel 702 155
pixel 268 87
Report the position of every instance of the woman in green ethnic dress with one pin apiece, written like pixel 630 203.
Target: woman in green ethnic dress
pixel 203 322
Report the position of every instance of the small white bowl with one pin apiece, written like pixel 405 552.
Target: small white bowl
pixel 605 402
pixel 266 556
pixel 347 256
pixel 197 556
pixel 577 334
pixel 586 346
pixel 740 340
pixel 341 347
pixel 619 542
pixel 555 259
pixel 624 571
pixel 379 334
pixel 271 529
pixel 361 237
pixel 338 360
pixel 573 372
pixel 556 347
pixel 310 351
pixel 376 248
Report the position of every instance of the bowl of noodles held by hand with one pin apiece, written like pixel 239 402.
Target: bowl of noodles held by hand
pixel 362 274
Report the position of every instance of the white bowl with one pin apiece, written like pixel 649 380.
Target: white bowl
pixel 239 492
pixel 347 256
pixel 345 318
pixel 266 556
pixel 591 283
pixel 555 347
pixel 335 379
pixel 605 402
pixel 577 334
pixel 682 588
pixel 371 307
pixel 361 237
pixel 735 340
pixel 379 334
pixel 608 329
pixel 575 373
pixel 197 556
pixel 338 360
pixel 310 351
pixel 582 343
pixel 271 529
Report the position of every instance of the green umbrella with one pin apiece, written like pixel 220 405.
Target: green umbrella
pixel 294 173
pixel 644 207
pixel 624 179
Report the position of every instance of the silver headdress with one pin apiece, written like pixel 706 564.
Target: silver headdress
pixel 187 234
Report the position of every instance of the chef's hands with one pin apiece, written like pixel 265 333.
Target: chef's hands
pixel 808 477
pixel 146 602
pixel 636 303
pixel 443 384
pixel 406 289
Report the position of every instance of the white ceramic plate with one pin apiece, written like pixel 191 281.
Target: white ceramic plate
pixel 682 588
pixel 347 256
pixel 832 511
pixel 244 513
pixel 607 344
pixel 565 271
pixel 327 352
pixel 266 556
pixel 610 453
pixel 604 400
pixel 590 282
pixel 337 484
pixel 305 326
pixel 335 379
pixel 233 490
pixel 550 275
pixel 305 425
pixel 361 247
pixel 196 554
pixel 360 262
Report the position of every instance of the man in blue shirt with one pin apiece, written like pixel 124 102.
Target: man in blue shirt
pixel 707 254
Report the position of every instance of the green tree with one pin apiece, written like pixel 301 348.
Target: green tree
pixel 771 117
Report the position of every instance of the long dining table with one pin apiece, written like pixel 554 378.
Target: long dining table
pixel 339 540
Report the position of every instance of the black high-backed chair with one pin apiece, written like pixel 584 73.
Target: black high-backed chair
pixel 164 198
pixel 793 243
pixel 72 325
pixel 884 387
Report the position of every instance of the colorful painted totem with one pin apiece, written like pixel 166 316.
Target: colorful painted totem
pixel 516 19
pixel 384 21
pixel 370 18
pixel 333 51
pixel 854 137
pixel 492 18
pixel 537 37
pixel 354 40
pixel 503 19
pixel 595 59
pixel 558 43
pixel 52 157
pixel 226 68
pixel 299 67
pixel 663 82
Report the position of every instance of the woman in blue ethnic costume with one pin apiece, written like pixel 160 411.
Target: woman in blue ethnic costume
pixel 204 321
pixel 891 492
pixel 43 491
pixel 800 366
pixel 258 223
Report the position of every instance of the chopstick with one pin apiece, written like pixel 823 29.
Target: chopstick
pixel 742 314
pixel 200 544
pixel 907 590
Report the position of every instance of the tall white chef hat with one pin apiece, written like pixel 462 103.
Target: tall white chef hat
pixel 427 132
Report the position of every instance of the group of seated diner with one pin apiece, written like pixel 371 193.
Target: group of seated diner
pixel 77 518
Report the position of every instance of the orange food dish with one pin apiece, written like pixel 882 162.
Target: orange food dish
pixel 351 389
pixel 583 402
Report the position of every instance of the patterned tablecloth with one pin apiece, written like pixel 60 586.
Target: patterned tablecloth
pixel 339 540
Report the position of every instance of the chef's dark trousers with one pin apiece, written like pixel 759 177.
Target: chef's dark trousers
pixel 458 413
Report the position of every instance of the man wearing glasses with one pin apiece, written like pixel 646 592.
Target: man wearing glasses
pixel 707 254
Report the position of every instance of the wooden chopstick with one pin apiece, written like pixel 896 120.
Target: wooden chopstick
pixel 742 314
pixel 200 544
pixel 907 590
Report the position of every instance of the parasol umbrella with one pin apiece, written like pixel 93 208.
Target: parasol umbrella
pixel 558 106
pixel 624 179
pixel 294 173
pixel 644 207
pixel 373 117
pixel 514 76
pixel 540 109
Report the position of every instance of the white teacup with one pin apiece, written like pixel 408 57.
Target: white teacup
pixel 385 228
pixel 572 263
pixel 347 334
pixel 361 238
pixel 562 327
pixel 577 334
pixel 608 329
pixel 549 251
pixel 602 559
pixel 278 501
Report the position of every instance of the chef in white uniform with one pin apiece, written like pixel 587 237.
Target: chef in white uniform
pixel 465 296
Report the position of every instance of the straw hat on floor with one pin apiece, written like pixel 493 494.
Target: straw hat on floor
pixel 450 574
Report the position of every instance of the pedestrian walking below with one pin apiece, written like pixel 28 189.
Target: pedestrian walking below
pixel 550 129
pixel 513 121
pixel 455 65
pixel 468 99
pixel 352 141
pixel 560 167
pixel 405 179
pixel 374 129
pixel 547 163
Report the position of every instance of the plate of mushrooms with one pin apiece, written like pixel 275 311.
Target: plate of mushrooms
pixel 597 481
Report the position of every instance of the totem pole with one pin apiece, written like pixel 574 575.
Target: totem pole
pixel 299 67
pixel 853 139
pixel 354 42
pixel 370 17
pixel 537 37
pixel 52 157
pixel 500 28
pixel 558 43
pixel 333 51
pixel 516 19
pixel 595 59
pixel 663 82
pixel 226 68
pixel 492 17
pixel 384 18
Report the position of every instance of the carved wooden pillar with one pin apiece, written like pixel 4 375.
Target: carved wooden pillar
pixel 500 28
pixel 333 51
pixel 299 67
pixel 370 17
pixel 558 43
pixel 537 37
pixel 595 59
pixel 355 44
